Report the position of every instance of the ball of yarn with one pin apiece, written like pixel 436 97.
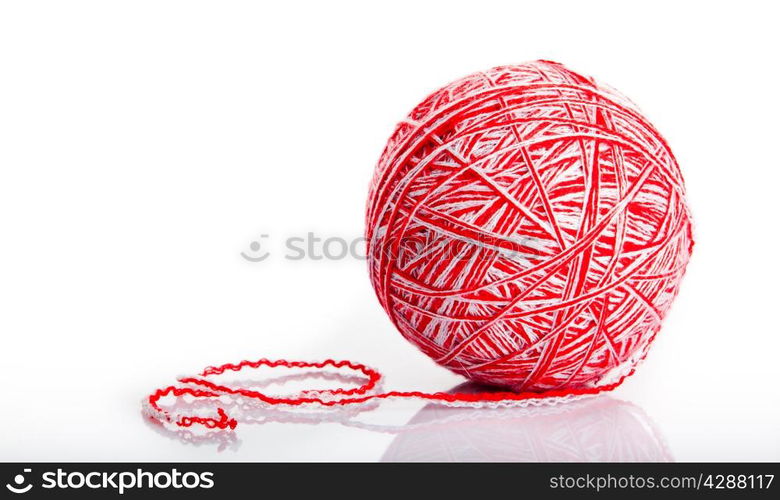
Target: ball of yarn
pixel 527 227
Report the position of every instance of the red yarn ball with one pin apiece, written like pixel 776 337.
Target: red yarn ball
pixel 527 227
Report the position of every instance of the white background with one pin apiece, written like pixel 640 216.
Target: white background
pixel 144 145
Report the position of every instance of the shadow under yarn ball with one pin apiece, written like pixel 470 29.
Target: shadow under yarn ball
pixel 598 429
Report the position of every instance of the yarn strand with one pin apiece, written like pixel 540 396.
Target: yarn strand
pixel 200 388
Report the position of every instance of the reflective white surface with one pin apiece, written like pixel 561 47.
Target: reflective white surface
pixel 594 430
pixel 599 429
pixel 144 145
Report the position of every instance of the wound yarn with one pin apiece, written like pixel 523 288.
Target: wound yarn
pixel 527 228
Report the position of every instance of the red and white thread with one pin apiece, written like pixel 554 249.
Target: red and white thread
pixel 527 228
pixel 367 390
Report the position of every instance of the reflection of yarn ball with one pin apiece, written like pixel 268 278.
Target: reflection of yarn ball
pixel 527 227
pixel 593 430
